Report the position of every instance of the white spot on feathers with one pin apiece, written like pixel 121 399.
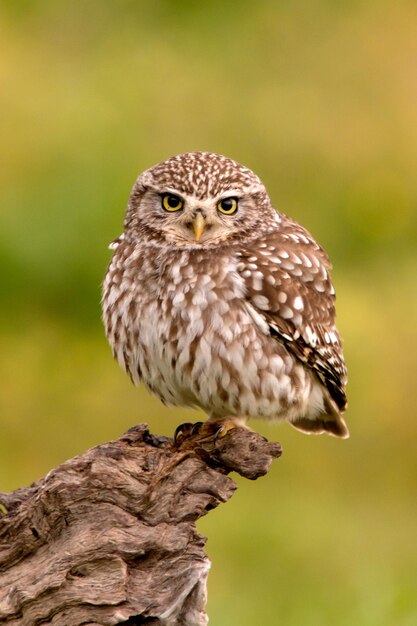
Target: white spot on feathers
pixel 311 336
pixel 178 298
pixel 261 302
pixel 298 303
pixel 257 281
pixel 286 313
pixel 306 260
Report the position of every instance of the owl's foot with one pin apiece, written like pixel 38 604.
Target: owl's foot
pixel 202 431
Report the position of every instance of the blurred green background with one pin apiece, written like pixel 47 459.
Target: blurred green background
pixel 320 100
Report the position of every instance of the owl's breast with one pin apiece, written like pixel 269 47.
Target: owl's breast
pixel 186 320
pixel 180 323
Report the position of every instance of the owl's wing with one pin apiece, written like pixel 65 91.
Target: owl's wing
pixel 288 284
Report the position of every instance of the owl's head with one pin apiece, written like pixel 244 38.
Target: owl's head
pixel 197 199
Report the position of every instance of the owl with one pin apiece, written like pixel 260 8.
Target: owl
pixel 214 299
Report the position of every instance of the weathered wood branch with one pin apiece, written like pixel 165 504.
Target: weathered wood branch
pixel 109 537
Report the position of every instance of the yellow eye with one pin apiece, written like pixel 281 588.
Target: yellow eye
pixel 228 206
pixel 171 202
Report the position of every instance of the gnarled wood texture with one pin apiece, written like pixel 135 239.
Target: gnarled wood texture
pixel 109 537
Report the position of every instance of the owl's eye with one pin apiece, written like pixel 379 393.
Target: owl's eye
pixel 171 202
pixel 228 206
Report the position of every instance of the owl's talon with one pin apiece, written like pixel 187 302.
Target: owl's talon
pixel 225 428
pixel 182 432
pixel 196 428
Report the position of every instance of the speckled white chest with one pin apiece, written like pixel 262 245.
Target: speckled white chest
pixel 195 341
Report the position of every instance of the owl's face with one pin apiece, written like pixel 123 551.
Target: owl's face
pixel 182 218
pixel 197 199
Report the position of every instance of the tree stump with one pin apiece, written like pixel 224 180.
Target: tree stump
pixel 109 537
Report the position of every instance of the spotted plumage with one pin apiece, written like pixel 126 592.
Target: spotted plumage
pixel 214 299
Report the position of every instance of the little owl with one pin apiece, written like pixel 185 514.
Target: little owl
pixel 213 299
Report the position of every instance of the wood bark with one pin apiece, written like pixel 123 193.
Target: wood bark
pixel 109 537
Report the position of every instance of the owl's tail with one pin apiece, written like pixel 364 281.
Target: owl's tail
pixel 331 422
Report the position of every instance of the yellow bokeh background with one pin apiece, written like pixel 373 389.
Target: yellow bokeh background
pixel 320 100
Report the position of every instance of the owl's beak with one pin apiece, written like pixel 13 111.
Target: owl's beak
pixel 199 225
